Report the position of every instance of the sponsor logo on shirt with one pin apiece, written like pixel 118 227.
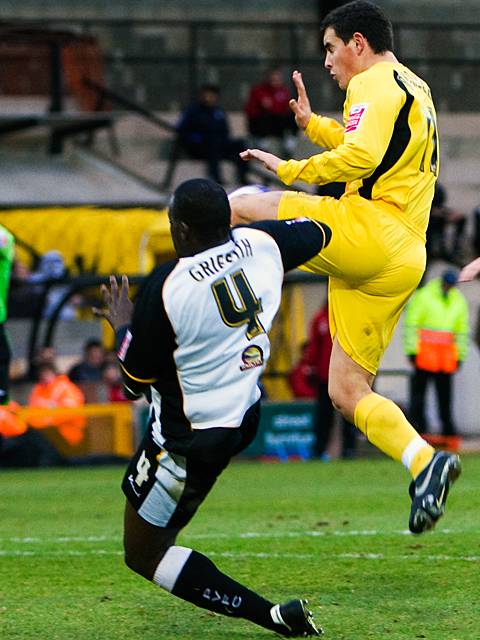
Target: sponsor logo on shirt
pixel 297 220
pixel 122 352
pixel 357 111
pixel 252 357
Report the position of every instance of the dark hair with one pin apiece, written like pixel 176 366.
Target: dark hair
pixel 201 204
pixel 213 88
pixel 364 17
pixel 46 366
pixel 92 342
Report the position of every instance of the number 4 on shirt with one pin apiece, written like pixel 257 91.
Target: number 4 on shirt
pixel 234 314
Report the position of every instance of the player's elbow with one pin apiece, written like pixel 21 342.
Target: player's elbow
pixel 363 161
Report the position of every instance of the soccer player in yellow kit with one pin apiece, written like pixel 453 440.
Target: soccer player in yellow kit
pixel 387 153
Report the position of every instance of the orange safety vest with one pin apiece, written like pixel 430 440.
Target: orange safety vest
pixel 437 351
pixel 10 424
pixel 61 392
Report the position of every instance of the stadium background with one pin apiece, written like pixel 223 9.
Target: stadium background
pixel 334 532
pixel 83 170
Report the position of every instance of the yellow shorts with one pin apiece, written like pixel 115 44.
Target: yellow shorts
pixel 374 262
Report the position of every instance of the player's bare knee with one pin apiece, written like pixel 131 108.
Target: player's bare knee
pixel 143 561
pixel 238 213
pixel 341 399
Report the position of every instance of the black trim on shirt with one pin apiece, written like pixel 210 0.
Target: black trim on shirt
pixel 298 240
pixel 149 357
pixel 401 136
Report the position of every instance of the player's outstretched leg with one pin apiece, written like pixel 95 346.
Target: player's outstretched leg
pixel 193 577
pixel 430 489
pixel 248 190
pixel 254 202
pixel 386 427
pixel 187 574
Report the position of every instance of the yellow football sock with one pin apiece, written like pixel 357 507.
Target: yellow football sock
pixel 388 429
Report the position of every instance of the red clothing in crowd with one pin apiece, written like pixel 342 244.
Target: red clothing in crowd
pixel 115 393
pixel 268 98
pixel 319 345
pixel 268 110
pixel 312 368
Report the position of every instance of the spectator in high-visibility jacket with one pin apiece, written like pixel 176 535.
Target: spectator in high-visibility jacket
pixel 53 391
pixel 11 425
pixel 436 342
pixel 21 446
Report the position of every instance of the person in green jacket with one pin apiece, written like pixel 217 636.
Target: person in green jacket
pixel 436 342
pixel 6 259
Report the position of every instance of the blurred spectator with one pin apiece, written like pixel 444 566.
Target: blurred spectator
pixel 21 446
pixel 90 368
pixel 205 134
pixel 6 259
pixel 268 112
pixel 31 289
pixel 23 299
pixel 56 390
pixel 10 423
pixel 436 342
pixel 45 355
pixel 310 379
pixel 442 217
pixel 302 378
pixel 112 379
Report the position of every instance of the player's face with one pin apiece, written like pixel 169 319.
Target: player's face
pixel 340 59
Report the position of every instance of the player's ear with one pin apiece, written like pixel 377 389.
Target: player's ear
pixel 359 42
pixel 184 230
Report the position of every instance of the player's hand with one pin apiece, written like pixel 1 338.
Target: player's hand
pixel 470 271
pixel 118 308
pixel 268 160
pixel 301 106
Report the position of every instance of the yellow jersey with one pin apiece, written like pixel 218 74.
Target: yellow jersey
pixel 387 151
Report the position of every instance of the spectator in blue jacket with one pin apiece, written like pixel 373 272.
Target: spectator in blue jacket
pixel 205 134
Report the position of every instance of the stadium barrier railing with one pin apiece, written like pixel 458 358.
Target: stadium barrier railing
pixel 109 429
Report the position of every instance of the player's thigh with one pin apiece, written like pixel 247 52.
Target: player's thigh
pixel 165 489
pixel 356 251
pixel 364 318
pixel 257 206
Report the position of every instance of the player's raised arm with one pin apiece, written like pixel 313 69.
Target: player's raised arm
pixel 268 160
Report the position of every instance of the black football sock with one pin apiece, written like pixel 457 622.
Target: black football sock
pixel 191 576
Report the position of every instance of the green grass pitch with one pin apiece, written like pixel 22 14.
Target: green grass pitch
pixel 335 533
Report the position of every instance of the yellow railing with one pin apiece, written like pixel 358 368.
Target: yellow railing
pixel 109 428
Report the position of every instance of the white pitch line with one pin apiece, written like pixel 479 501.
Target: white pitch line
pixel 263 556
pixel 230 536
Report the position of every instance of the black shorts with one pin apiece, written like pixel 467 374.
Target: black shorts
pixel 166 488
